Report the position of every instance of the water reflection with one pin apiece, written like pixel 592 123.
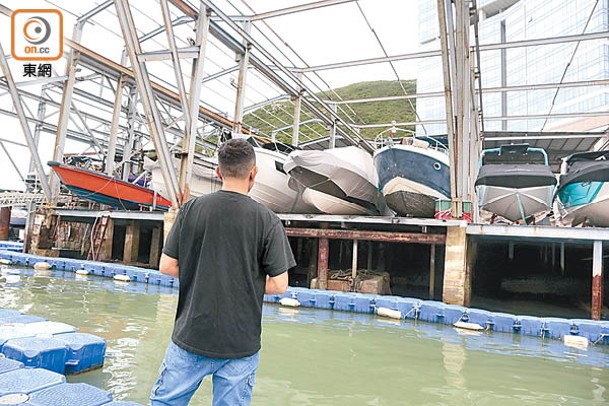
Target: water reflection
pixel 313 357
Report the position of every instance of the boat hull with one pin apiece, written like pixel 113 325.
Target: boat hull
pixel 412 179
pixel 515 203
pixel 271 185
pixel 584 202
pixel 203 181
pixel 335 181
pixel 106 190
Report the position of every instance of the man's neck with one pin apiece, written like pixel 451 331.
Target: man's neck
pixel 236 185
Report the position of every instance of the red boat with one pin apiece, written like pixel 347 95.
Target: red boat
pixel 106 190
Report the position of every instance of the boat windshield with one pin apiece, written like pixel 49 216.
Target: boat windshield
pixel 514 155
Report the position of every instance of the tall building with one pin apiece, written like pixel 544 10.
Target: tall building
pixel 516 20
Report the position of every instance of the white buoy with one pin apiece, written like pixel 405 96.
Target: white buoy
pixel 82 272
pixel 576 342
pixel 42 266
pixel 392 314
pixel 122 278
pixel 289 302
pixel 5 261
pixel 468 326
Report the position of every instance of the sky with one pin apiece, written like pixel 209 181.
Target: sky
pixel 322 36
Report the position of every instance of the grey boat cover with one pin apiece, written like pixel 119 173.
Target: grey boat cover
pixel 518 176
pixel 586 167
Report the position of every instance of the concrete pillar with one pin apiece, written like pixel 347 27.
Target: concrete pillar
pixel 457 281
pixel 597 280
pixel 5 222
pixel 168 221
pixel 105 252
pixel 132 242
pixel 155 247
pixel 323 253
pixel 354 264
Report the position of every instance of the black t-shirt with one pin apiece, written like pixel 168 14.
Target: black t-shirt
pixel 225 244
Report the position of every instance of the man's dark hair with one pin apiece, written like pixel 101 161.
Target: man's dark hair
pixel 236 158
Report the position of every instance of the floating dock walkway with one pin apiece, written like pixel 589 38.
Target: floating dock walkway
pixel 597 332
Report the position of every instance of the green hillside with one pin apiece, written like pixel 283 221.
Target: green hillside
pixel 277 115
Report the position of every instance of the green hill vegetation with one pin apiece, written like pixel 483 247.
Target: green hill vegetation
pixel 277 115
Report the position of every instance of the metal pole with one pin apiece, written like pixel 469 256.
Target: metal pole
pixel 448 98
pixel 432 271
pixel 332 140
pixel 128 147
pixel 188 146
pixel 42 110
pixel 244 60
pixel 597 280
pixel 177 67
pixel 354 264
pixel 64 109
pixel 116 114
pixel 323 253
pixel 296 125
pixel 12 88
pixel 144 86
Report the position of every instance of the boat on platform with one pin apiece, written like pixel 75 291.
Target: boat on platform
pixel 270 186
pixel 583 189
pixel 103 189
pixel 413 174
pixel 336 181
pixel 515 182
pixel 204 179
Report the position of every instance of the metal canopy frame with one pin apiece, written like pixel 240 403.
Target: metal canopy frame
pixel 119 109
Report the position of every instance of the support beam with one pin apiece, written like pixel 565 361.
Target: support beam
pixel 457 283
pixel 597 280
pixel 297 9
pixel 105 252
pixel 64 109
pixel 386 236
pixel 6 70
pixel 5 222
pixel 432 271
pixel 128 147
pixel 354 263
pixel 116 114
pixel 296 121
pixel 132 242
pixel 155 247
pixel 244 61
pixel 188 145
pixel 144 86
pixel 323 254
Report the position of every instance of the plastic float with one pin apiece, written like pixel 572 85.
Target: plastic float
pixel 597 332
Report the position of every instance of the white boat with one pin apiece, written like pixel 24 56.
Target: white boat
pixel 583 190
pixel 270 187
pixel 204 178
pixel 336 181
pixel 413 175
pixel 515 182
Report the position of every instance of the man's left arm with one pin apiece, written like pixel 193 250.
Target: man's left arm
pixel 169 266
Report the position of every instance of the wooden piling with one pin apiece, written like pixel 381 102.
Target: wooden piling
pixel 597 280
pixel 5 222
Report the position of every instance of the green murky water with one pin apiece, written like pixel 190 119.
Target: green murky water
pixel 313 357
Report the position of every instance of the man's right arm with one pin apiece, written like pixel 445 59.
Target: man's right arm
pixel 276 284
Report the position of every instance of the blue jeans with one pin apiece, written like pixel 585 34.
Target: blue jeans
pixel 182 371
